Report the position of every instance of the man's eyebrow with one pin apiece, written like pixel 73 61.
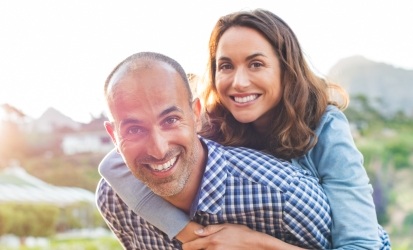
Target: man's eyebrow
pixel 167 111
pixel 170 110
pixel 127 121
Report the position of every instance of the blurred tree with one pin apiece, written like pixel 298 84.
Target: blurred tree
pixel 37 220
pixel 73 171
pixel 363 114
pixel 399 153
pixel 408 222
pixel 5 222
pixel 79 215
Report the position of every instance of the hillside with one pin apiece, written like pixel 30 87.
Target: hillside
pixel 388 88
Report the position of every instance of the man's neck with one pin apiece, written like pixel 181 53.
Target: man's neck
pixel 185 198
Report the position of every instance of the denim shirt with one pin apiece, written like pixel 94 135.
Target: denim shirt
pixel 334 160
pixel 338 165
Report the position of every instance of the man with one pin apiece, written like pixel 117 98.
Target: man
pixel 154 123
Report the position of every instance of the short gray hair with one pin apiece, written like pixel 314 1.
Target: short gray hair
pixel 150 57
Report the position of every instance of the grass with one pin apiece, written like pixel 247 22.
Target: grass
pixel 102 243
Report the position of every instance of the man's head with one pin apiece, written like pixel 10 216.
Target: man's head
pixel 154 122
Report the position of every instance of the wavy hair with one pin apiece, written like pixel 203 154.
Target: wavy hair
pixel 304 99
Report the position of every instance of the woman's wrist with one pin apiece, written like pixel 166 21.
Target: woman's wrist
pixel 187 233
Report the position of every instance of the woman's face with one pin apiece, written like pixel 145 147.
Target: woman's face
pixel 248 76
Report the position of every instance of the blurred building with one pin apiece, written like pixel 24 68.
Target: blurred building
pixel 90 138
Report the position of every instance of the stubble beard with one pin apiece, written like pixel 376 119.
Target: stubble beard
pixel 175 183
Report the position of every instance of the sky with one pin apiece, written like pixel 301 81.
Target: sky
pixel 59 53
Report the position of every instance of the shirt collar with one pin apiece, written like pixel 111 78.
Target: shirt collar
pixel 210 197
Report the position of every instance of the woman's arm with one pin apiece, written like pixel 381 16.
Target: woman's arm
pixel 166 217
pixel 231 236
pixel 339 166
pixel 141 200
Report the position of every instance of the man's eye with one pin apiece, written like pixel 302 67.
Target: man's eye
pixel 134 131
pixel 171 121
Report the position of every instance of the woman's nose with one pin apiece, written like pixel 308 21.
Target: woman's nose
pixel 241 80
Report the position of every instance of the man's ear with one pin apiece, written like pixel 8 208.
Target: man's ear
pixel 111 131
pixel 196 108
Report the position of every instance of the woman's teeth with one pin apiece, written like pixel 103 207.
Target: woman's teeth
pixel 245 98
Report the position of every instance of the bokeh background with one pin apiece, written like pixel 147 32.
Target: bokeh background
pixel 55 56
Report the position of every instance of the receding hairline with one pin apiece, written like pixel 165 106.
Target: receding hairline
pixel 145 60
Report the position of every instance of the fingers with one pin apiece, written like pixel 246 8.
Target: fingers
pixel 187 234
pixel 208 230
pixel 197 244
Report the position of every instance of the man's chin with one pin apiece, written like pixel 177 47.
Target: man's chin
pixel 165 193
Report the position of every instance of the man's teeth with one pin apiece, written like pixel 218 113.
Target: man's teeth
pixel 245 98
pixel 163 167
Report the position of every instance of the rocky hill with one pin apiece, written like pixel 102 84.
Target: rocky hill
pixel 389 89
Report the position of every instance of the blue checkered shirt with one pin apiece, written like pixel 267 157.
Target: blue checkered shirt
pixel 240 186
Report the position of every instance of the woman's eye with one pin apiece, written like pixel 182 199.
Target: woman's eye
pixel 225 66
pixel 256 65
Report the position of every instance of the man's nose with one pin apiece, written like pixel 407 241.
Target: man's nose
pixel 157 146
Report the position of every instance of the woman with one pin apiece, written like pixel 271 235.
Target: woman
pixel 262 94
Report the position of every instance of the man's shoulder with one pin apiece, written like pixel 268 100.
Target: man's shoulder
pixel 112 160
pixel 103 193
pixel 254 165
pixel 106 197
pixel 237 153
pixel 103 186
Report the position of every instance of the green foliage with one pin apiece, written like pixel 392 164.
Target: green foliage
pixel 43 220
pixel 362 114
pixel 107 243
pixel 37 220
pixel 79 215
pixel 72 171
pixel 5 222
pixel 387 146
pixel 399 153
pixel 408 222
pixel 102 243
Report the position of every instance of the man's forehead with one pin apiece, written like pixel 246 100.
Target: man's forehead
pixel 128 68
pixel 143 80
pixel 136 78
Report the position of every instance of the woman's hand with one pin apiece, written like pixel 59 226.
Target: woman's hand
pixel 188 233
pixel 231 236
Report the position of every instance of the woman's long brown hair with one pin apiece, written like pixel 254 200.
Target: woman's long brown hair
pixel 304 100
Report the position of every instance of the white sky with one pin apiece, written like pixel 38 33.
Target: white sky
pixel 58 53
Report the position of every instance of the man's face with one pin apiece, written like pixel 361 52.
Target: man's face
pixel 154 127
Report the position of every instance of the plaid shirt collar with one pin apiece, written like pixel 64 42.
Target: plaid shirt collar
pixel 212 191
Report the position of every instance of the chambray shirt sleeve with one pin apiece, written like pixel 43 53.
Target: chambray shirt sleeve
pixel 342 175
pixel 140 198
